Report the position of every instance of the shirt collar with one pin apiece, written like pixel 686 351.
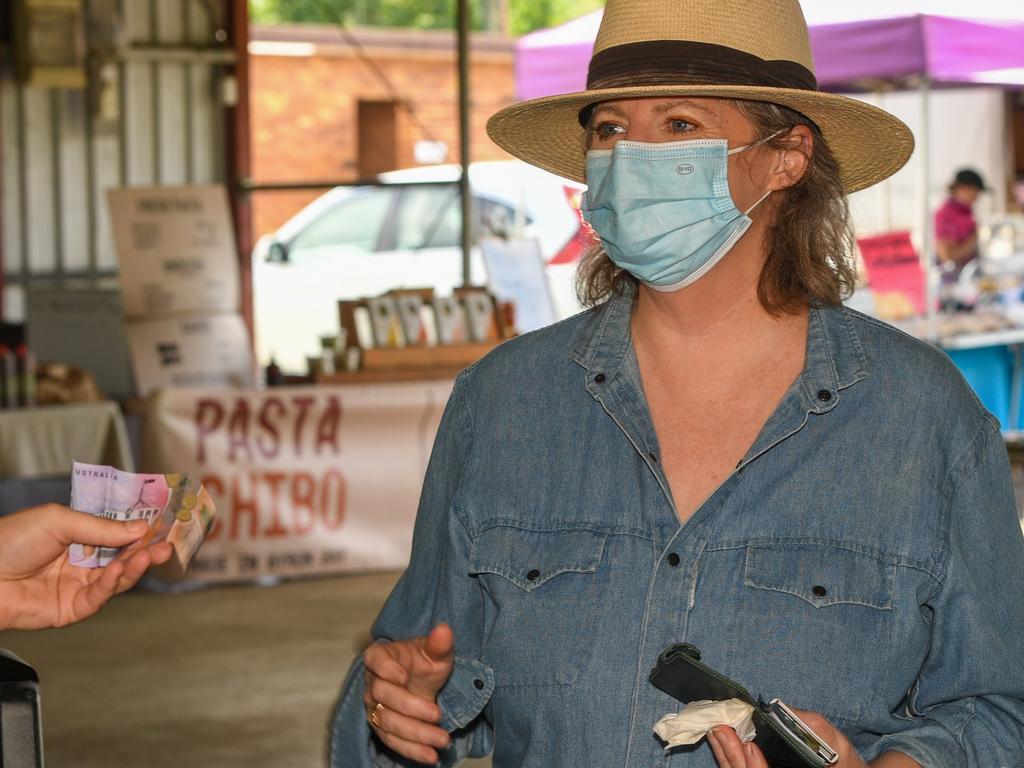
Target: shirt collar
pixel 835 358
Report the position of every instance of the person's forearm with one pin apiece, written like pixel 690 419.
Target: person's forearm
pixel 894 760
pixel 964 251
pixel 956 253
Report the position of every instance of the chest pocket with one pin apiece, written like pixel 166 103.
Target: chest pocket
pixel 827 615
pixel 821 575
pixel 544 588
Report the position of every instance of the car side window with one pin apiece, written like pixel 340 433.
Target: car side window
pixel 495 219
pixel 428 217
pixel 354 223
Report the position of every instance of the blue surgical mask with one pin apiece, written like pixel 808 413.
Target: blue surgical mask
pixel 663 211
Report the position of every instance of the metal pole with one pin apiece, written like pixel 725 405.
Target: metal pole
pixel 925 180
pixel 467 199
pixel 239 146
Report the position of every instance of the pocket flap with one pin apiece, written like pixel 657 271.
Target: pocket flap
pixel 531 558
pixel 822 574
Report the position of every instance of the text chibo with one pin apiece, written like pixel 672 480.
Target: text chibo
pixel 272 503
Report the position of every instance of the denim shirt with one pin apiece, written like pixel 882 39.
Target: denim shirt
pixel 864 560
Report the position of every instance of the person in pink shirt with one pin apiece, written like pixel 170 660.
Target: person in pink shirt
pixel 956 231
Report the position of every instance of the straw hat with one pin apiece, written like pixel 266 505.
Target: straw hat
pixel 739 49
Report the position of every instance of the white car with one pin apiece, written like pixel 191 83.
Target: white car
pixel 361 241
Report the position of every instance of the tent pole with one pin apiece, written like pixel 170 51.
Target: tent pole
pixel 464 191
pixel 885 188
pixel 925 181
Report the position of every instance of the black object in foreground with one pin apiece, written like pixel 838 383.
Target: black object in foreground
pixel 21 731
pixel 785 740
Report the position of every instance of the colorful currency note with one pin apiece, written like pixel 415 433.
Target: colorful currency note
pixel 176 507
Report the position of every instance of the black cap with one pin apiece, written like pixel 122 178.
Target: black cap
pixel 968 177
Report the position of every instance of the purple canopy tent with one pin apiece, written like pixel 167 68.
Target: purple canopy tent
pixel 555 60
pixel 854 53
pixel 857 47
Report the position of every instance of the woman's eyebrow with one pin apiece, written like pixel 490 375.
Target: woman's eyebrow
pixel 688 103
pixel 610 108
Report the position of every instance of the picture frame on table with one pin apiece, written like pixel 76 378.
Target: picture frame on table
pixel 354 317
pixel 481 317
pixel 450 319
pixel 386 323
pixel 415 311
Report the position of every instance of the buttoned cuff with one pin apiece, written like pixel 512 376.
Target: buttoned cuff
pixel 465 694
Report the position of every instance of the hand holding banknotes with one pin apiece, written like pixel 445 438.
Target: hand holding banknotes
pixel 732 753
pixel 40 588
pixel 403 679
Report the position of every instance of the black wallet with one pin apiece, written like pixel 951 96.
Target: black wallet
pixel 680 673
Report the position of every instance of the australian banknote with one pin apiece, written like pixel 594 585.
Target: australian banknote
pixel 176 507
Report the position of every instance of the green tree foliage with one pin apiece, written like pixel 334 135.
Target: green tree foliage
pixel 528 15
pixel 523 15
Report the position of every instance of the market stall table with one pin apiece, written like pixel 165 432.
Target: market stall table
pixel 993 364
pixel 987 345
pixel 38 446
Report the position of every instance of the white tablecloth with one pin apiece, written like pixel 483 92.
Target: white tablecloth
pixel 43 442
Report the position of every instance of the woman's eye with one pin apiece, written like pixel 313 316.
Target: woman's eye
pixel 607 130
pixel 680 126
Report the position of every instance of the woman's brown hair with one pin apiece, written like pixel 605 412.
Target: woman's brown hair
pixel 810 248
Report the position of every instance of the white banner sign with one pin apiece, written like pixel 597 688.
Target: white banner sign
pixel 306 480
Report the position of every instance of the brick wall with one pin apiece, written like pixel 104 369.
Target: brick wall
pixel 306 83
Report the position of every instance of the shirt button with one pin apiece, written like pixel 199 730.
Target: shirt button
pixel 653 457
pixel 819 591
pixel 599 378
pixel 673 559
pixel 824 395
pixel 478 684
pixel 532 575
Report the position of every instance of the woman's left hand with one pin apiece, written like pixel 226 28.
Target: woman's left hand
pixel 732 753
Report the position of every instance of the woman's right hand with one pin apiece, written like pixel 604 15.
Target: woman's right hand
pixel 403 679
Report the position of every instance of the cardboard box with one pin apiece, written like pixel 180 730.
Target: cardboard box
pixel 176 249
pixel 198 350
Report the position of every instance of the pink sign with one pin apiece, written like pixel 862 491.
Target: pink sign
pixel 893 267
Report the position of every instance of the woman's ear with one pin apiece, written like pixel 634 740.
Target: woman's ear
pixel 793 159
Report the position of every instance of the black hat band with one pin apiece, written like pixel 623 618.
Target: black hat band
pixel 685 62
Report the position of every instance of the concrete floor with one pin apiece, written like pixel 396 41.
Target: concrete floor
pixel 225 677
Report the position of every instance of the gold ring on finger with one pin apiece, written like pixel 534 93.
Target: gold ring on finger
pixel 375 715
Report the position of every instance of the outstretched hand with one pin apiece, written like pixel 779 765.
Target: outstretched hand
pixel 38 585
pixel 403 679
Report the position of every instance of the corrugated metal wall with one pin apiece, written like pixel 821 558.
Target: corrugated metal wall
pixel 163 124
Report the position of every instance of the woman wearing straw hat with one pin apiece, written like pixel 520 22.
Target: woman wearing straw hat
pixel 716 453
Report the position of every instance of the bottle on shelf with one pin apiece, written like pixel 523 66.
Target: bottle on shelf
pixel 8 378
pixel 25 367
pixel 273 374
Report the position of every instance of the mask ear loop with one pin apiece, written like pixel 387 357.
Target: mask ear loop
pixel 757 203
pixel 765 140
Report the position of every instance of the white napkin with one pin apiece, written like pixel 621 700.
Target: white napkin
pixel 698 717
